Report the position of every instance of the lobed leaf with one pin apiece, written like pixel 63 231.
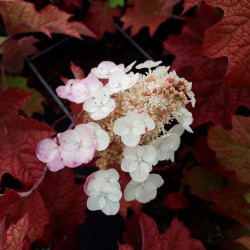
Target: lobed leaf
pixel 233 147
pixel 14 236
pixel 147 13
pixel 176 237
pixel 230 38
pixel 23 18
pixel 13 206
pixel 19 138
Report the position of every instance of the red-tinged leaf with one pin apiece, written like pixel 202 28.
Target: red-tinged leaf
pixel 201 182
pixel 216 101
pixel 2 228
pixel 233 147
pixel 23 18
pixel 77 71
pixel 78 112
pixel 100 18
pixel 35 103
pixel 65 200
pixel 176 237
pixel 204 154
pixel 125 247
pixel 232 202
pixel 187 46
pixel 176 201
pixel 19 138
pixel 147 13
pixel 82 29
pixel 188 4
pixel 207 159
pixel 14 207
pixel 232 235
pixel 14 236
pixel 132 236
pixel 245 241
pixel 71 5
pixel 16 51
pixel 230 38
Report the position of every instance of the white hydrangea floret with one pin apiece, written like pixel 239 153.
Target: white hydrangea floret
pixel 132 126
pixel 166 145
pixel 100 106
pixel 130 66
pixel 190 94
pixel 148 122
pixel 138 161
pixel 101 137
pixel 119 81
pixel 143 191
pixel 77 146
pixel 185 118
pixel 148 64
pixel 160 72
pixel 106 68
pixel 85 89
pixel 104 192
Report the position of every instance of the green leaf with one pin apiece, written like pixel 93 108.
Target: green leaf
pixel 247 197
pixel 115 3
pixel 35 103
pixel 232 147
pixel 201 182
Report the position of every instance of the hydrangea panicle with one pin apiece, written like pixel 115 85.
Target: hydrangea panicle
pixel 127 121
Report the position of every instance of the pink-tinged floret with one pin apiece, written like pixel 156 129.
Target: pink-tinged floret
pixel 56 164
pixel 77 146
pixel 89 179
pixel 85 89
pixel 65 91
pixel 46 150
pixel 106 68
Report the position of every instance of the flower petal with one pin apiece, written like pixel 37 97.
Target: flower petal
pixel 46 150
pixel 111 207
pixel 121 126
pixel 90 106
pixel 147 193
pixel 93 203
pixel 56 164
pixel 155 179
pixel 129 165
pixel 129 192
pixel 141 173
pixel 130 139
pixel 149 153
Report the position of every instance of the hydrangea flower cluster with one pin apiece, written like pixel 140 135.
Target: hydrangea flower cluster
pixel 130 118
